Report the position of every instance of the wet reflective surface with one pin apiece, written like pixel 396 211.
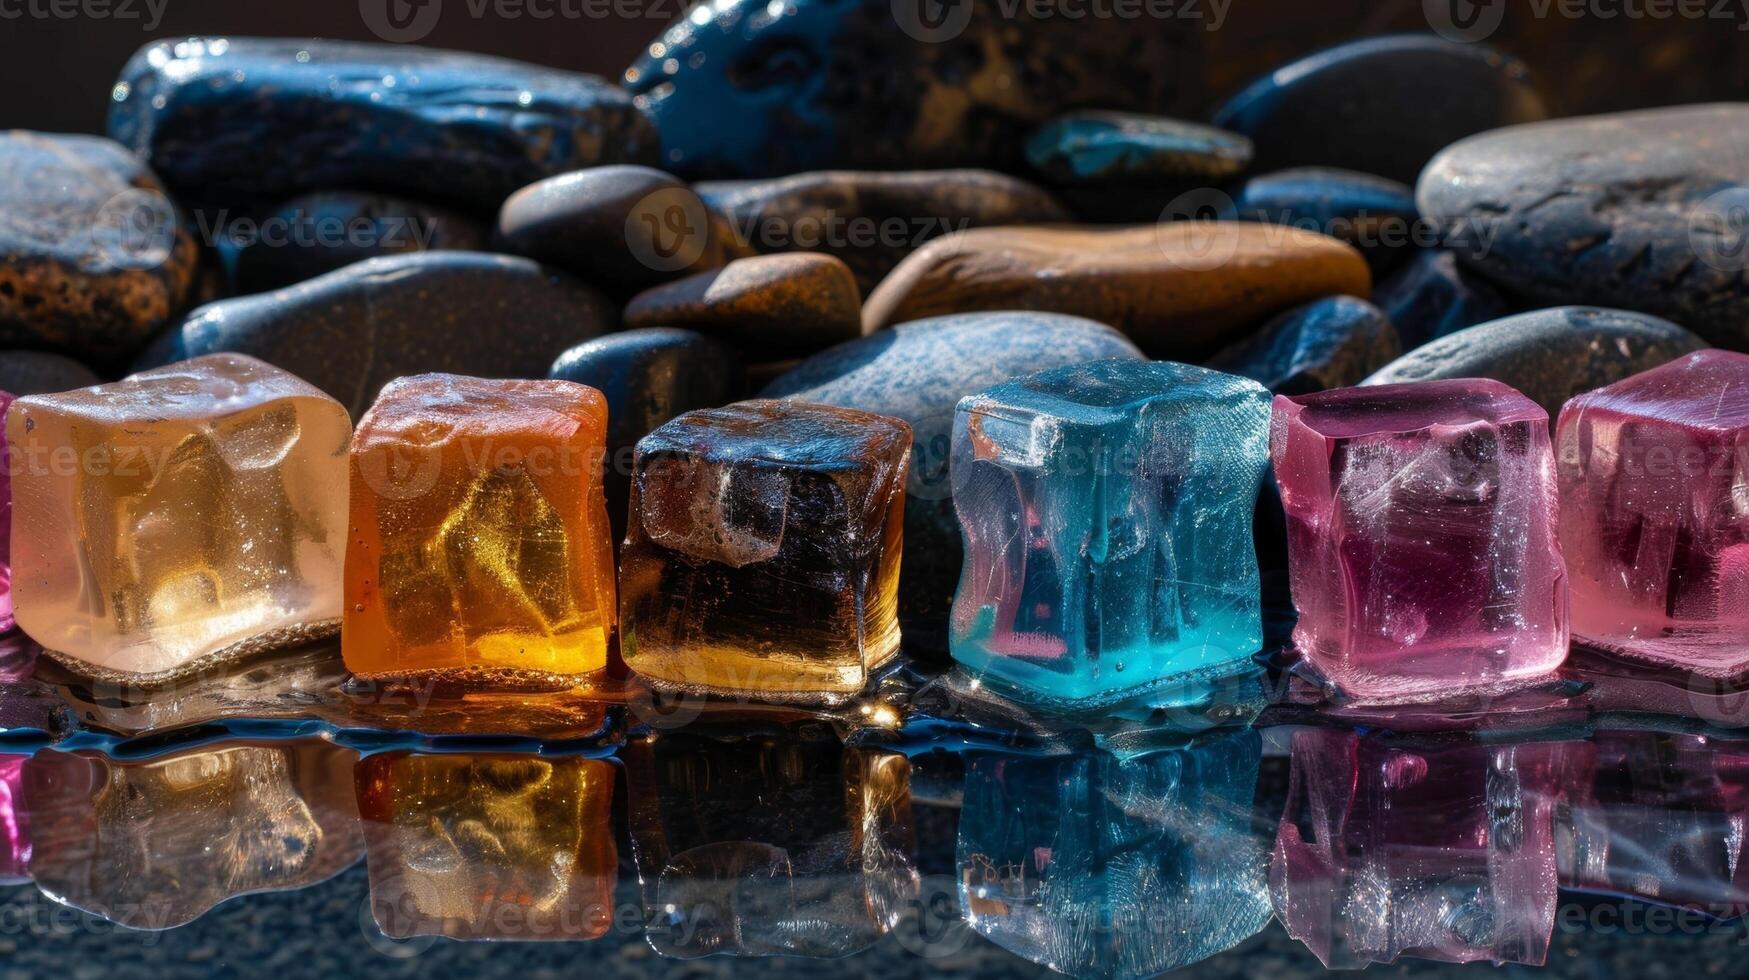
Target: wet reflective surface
pixel 279 817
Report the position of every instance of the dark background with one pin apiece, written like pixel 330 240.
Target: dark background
pixel 57 71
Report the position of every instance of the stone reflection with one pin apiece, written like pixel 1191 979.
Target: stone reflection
pixel 155 844
pixel 14 822
pixel 1441 853
pixel 769 844
pixel 1097 865
pixel 1663 819
pixel 513 847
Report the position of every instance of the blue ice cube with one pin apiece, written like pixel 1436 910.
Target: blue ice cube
pixel 1106 511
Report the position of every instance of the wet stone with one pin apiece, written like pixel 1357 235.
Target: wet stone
pixel 1374 214
pixel 355 329
pixel 1178 290
pixel 1644 210
pixel 872 219
pixel 648 377
pixel 93 255
pixel 317 233
pixel 1432 295
pixel 1549 355
pixel 29 372
pixel 768 306
pixel 232 120
pixel 1328 343
pixel 622 228
pixel 1382 105
pixel 743 92
pixel 918 372
pixel 1092 146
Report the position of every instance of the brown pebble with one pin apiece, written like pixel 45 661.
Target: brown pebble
pixel 771 306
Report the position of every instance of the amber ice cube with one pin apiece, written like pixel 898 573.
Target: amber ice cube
pixel 480 548
pixel 762 549
pixel 187 513
pixel 489 846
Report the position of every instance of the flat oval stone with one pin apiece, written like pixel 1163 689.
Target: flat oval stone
pixel 1178 290
pixel 918 372
pixel 1432 296
pixel 259 119
pixel 312 234
pixel 34 372
pixel 745 88
pixel 623 227
pixel 771 306
pixel 649 377
pixel 1329 343
pixel 1091 146
pixel 93 255
pixel 355 329
pixel 873 219
pixel 1381 105
pixel 1374 214
pixel 1549 355
pixel 1641 210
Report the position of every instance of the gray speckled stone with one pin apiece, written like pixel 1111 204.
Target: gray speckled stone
pixel 30 372
pixel 1643 210
pixel 918 372
pixel 1328 343
pixel 1550 355
pixel 355 329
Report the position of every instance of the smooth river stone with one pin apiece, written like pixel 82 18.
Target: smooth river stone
pixel 480 549
pixel 1106 510
pixel 623 228
pixel 1374 214
pixel 1651 471
pixel 648 377
pixel 1091 146
pixel 1381 105
pixel 872 219
pixel 355 329
pixel 93 255
pixel 182 515
pixel 762 550
pixel 1643 210
pixel 250 119
pixel 742 88
pixel 769 306
pixel 1435 504
pixel 1431 296
pixel 1178 290
pixel 1549 355
pixel 31 372
pixel 918 372
pixel 1328 343
pixel 311 234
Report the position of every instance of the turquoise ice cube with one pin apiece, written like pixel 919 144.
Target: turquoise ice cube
pixel 1106 512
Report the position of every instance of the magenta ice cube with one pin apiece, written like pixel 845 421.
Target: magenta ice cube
pixel 6 618
pixel 1444 853
pixel 1654 478
pixel 1421 537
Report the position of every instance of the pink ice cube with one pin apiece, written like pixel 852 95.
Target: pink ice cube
pixel 1421 537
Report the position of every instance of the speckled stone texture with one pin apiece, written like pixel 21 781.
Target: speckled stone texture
pixel 1641 210
pixel 918 372
pixel 311 234
pixel 1549 355
pixel 872 219
pixel 1374 214
pixel 743 88
pixel 247 119
pixel 1382 105
pixel 1328 343
pixel 622 227
pixel 1092 146
pixel 93 255
pixel 355 329
pixel 1178 290
pixel 769 306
